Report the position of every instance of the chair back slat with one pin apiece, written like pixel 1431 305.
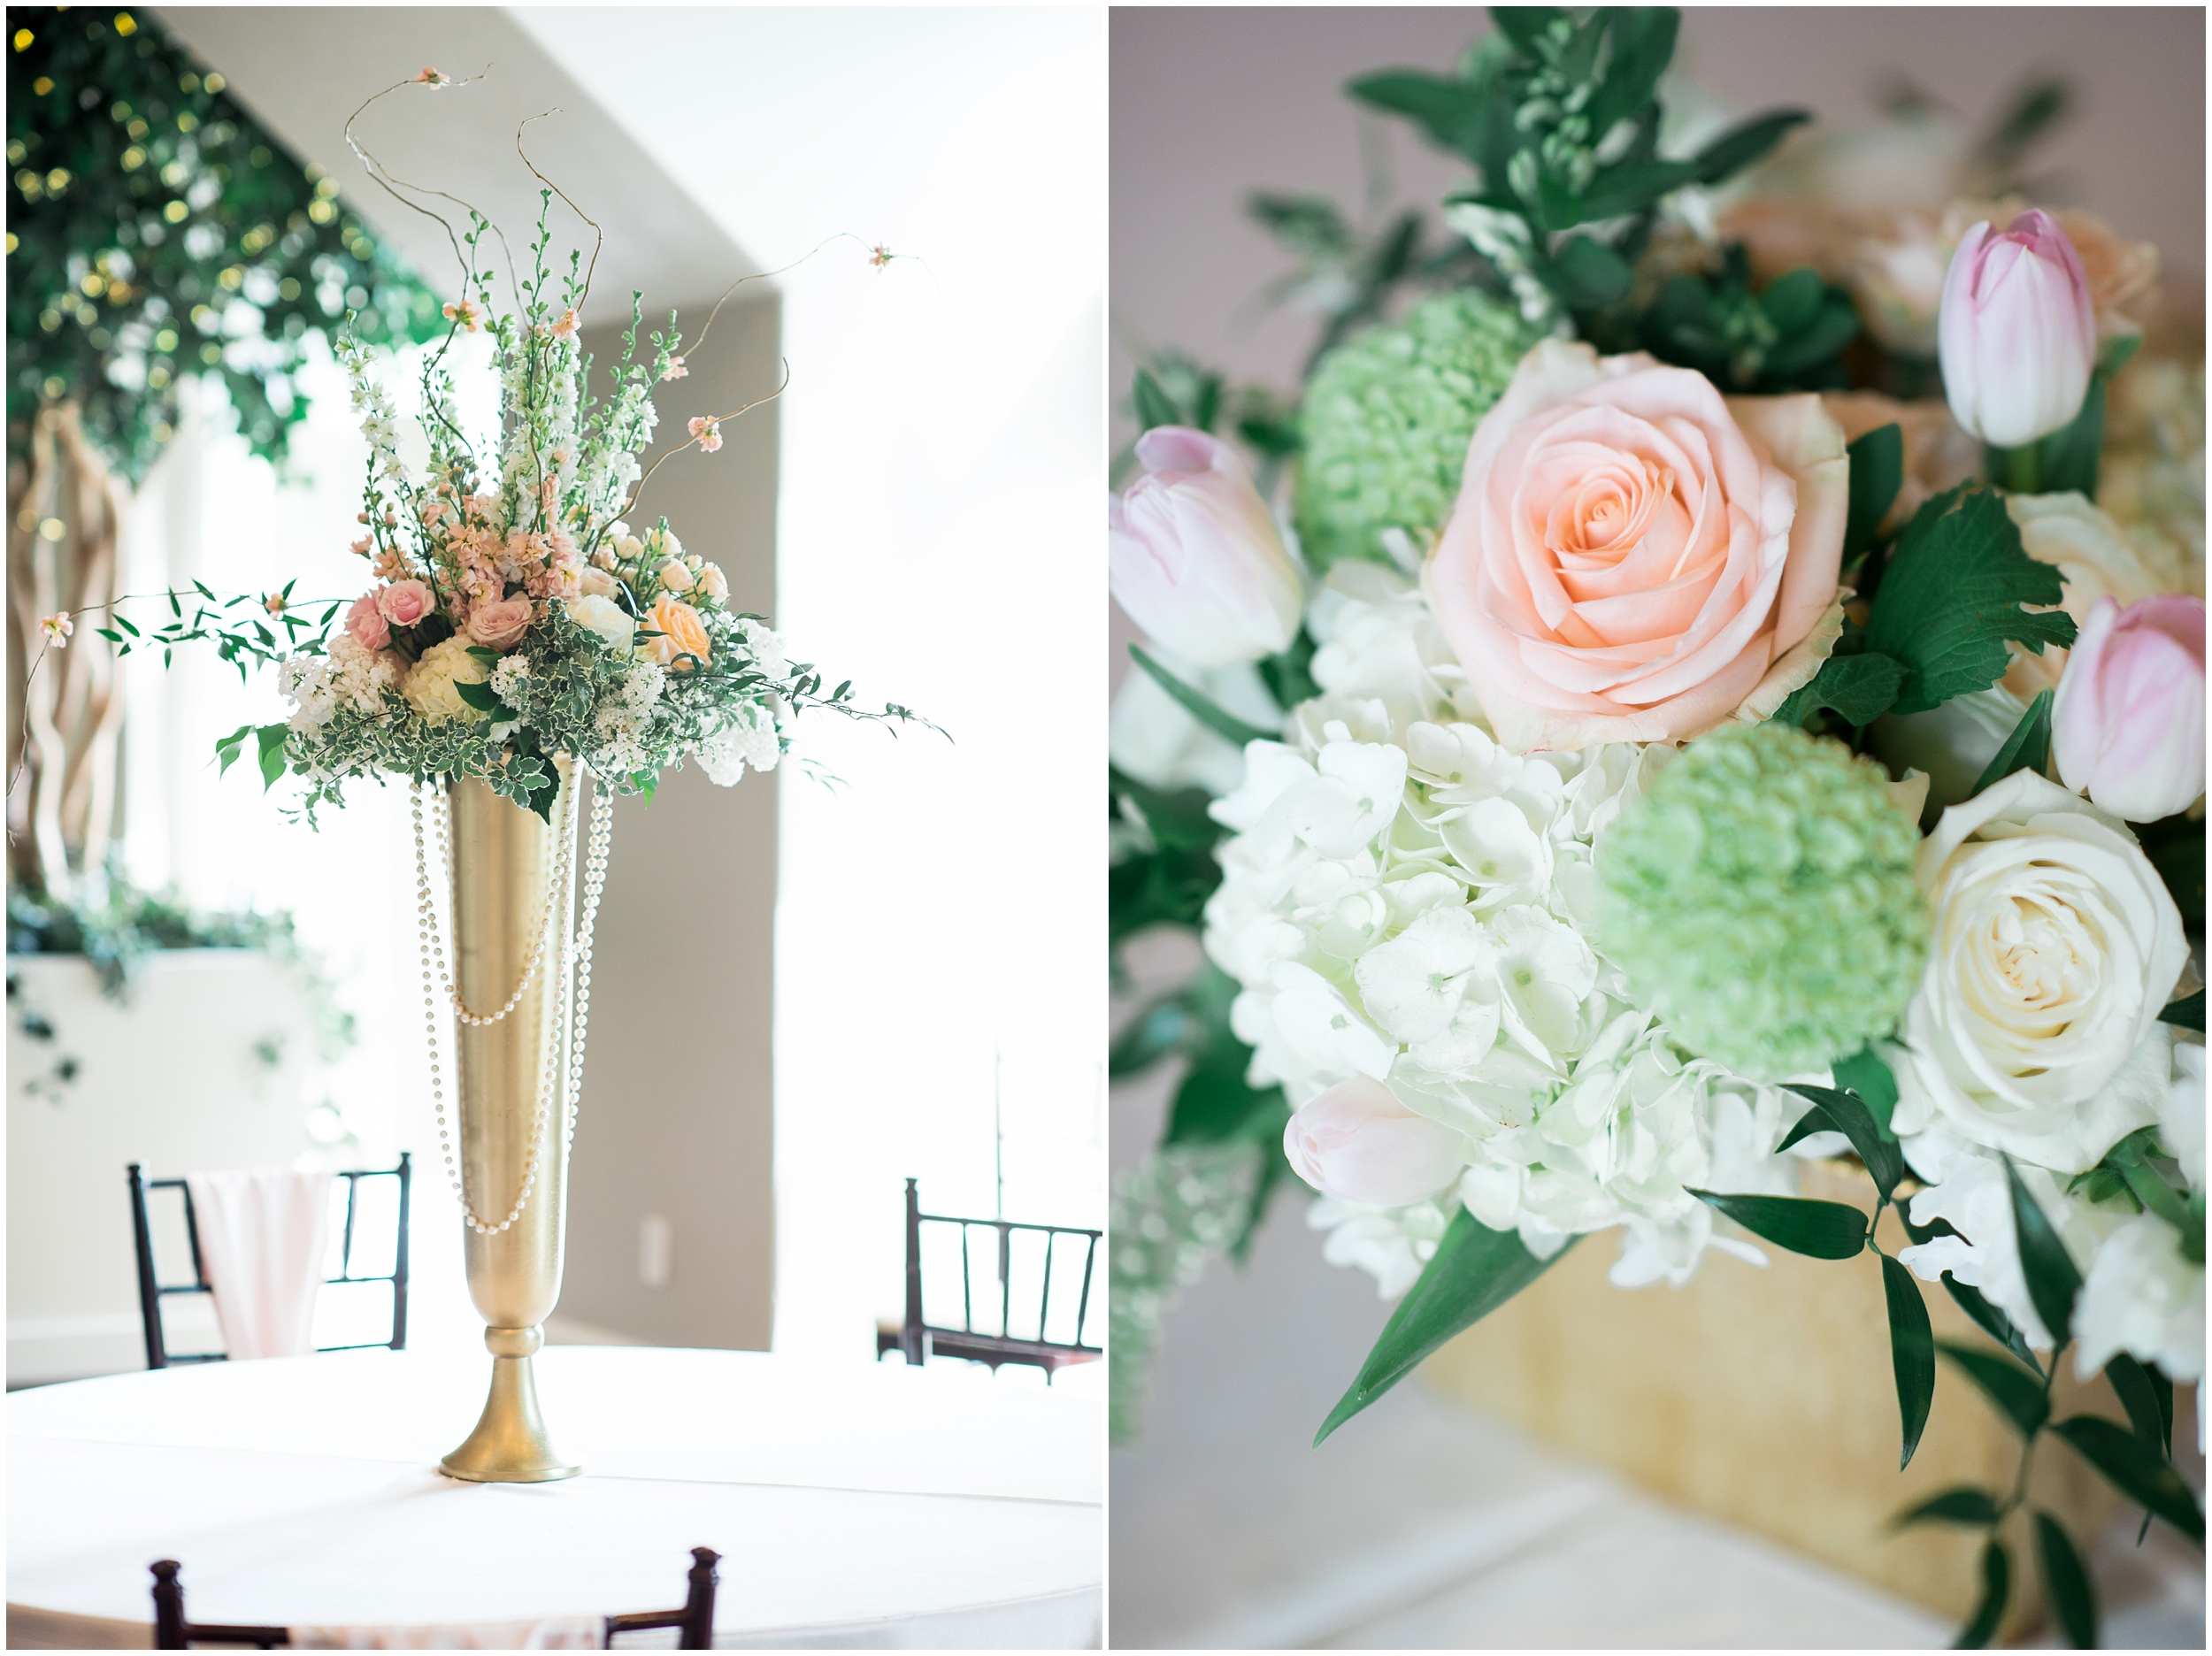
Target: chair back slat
pixel 916 1336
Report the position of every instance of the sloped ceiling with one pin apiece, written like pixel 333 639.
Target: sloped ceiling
pixel 303 70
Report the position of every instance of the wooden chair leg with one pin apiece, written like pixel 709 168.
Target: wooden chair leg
pixel 168 1607
pixel 699 1603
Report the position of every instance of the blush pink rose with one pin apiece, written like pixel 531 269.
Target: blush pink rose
pixel 1634 557
pixel 366 623
pixel 405 602
pixel 500 624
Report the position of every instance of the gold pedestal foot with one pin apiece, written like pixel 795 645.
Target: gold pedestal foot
pixel 509 1444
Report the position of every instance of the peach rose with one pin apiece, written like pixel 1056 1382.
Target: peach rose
pixel 681 631
pixel 500 624
pixel 405 602
pixel 367 625
pixel 1635 558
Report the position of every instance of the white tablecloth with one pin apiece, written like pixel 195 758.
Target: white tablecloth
pixel 870 1506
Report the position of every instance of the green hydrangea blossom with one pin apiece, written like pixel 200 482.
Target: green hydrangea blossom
pixel 1387 419
pixel 1761 898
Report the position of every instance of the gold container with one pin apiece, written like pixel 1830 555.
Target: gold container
pixel 1766 1399
pixel 503 857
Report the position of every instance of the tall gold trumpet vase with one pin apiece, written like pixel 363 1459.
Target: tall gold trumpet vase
pixel 513 1080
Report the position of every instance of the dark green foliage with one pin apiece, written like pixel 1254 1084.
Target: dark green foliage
pixel 1981 1627
pixel 157 231
pixel 2136 1469
pixel 2066 1587
pixel 1474 1271
pixel 2027 748
pixel 2018 1395
pixel 1823 1230
pixel 1847 1113
pixel 1877 471
pixel 1787 338
pixel 1962 1506
pixel 1912 1353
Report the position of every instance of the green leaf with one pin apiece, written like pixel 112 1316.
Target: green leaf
pixel 2017 1394
pixel 480 697
pixel 1965 1505
pixel 2027 748
pixel 1951 599
pixel 1860 688
pixel 1643 45
pixel 1847 1113
pixel 1585 274
pixel 1911 1354
pixel 1474 1271
pixel 2163 1389
pixel 1153 406
pixel 1629 187
pixel 1288 673
pixel 271 738
pixel 1877 471
pixel 1981 1627
pixel 1177 820
pixel 1200 706
pixel 1525 26
pixel 2131 1385
pixel 2053 1282
pixel 1991 1322
pixel 2066 1583
pixel 227 748
pixel 1823 1230
pixel 2186 1014
pixel 1792 302
pixel 490 657
pixel 1451 111
pixel 1215 1103
pixel 1745 143
pixel 1163 1028
pixel 1865 1074
pixel 2137 1471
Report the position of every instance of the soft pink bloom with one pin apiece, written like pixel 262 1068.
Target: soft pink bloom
pixel 1358 1142
pixel 430 77
pixel 405 602
pixel 675 369
pixel 57 627
pixel 500 624
pixel 367 625
pixel 707 432
pixel 363 546
pixel 466 312
pixel 2017 332
pixel 594 582
pixel 2127 727
pixel 273 602
pixel 1193 556
pixel 564 328
pixel 1634 557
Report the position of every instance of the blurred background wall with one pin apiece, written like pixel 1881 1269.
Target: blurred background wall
pixel 1210 104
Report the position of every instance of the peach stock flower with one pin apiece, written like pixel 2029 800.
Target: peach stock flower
pixel 706 431
pixel 1635 558
pixel 681 631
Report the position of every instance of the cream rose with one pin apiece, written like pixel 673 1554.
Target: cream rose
pixel 2035 1029
pixel 605 618
pixel 1634 558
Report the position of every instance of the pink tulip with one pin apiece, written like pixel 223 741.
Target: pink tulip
pixel 2017 332
pixel 1358 1142
pixel 1193 555
pixel 405 602
pixel 366 623
pixel 2127 727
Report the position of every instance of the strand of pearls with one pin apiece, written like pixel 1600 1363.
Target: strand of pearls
pixel 556 871
pixel 571 1009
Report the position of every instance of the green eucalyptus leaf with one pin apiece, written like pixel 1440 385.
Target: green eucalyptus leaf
pixel 1849 1116
pixel 1473 1271
pixel 2066 1587
pixel 1866 1074
pixel 1912 1353
pixel 2027 748
pixel 1823 1229
pixel 1992 1321
pixel 1877 471
pixel 2017 1394
pixel 1965 1505
pixel 1981 1627
pixel 1200 706
pixel 2053 1280
pixel 2134 1468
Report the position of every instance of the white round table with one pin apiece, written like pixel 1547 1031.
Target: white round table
pixel 853 1507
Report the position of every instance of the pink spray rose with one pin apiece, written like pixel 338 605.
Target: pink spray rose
pixel 1634 557
pixel 1358 1142
pixel 366 623
pixel 1193 556
pixel 2127 726
pixel 500 624
pixel 405 602
pixel 2017 332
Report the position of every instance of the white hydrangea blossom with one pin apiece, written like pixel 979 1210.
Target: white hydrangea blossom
pixel 767 648
pixel 751 739
pixel 1406 899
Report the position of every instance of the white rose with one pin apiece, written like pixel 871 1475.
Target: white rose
pixel 604 617
pixel 712 582
pixel 595 583
pixel 2055 947
pixel 675 575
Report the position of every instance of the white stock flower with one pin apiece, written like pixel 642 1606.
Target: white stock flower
pixel 2142 1297
pixel 2056 947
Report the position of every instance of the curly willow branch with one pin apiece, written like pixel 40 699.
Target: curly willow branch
pixel 600 234
pixel 391 183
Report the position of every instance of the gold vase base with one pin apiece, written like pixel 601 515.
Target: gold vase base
pixel 509 1444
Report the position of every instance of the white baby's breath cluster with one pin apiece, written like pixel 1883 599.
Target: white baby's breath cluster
pixel 1405 900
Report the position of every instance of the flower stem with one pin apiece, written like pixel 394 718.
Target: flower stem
pixel 2023 475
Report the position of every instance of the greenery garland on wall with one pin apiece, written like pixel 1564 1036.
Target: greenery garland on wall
pixel 155 230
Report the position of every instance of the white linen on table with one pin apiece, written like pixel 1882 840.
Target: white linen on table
pixel 826 1540
pixel 263 1234
pixel 555 1633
